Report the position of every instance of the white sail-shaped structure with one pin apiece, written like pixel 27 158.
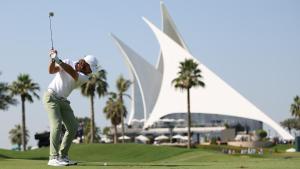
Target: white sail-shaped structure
pixel 145 75
pixel 169 28
pixel 159 98
pixel 142 104
pixel 216 98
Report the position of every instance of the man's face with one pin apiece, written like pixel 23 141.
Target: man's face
pixel 82 66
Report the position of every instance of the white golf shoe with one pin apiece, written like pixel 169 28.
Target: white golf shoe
pixel 67 160
pixel 57 162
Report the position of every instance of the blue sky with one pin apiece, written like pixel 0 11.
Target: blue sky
pixel 253 45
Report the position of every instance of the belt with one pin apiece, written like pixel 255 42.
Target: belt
pixel 52 92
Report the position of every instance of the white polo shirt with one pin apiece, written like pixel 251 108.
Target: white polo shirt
pixel 63 83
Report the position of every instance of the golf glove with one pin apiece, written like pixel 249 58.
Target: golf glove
pixel 53 56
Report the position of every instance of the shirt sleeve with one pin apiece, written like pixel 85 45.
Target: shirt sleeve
pixel 68 61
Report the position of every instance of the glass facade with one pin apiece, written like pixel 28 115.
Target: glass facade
pixel 207 120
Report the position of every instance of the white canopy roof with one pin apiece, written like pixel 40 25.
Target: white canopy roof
pixel 161 137
pixel 142 138
pixel 124 138
pixel 177 136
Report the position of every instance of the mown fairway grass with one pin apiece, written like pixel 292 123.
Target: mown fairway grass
pixel 135 156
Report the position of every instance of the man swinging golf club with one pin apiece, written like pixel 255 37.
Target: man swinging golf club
pixel 68 76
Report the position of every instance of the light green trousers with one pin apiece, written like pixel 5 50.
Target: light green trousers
pixel 60 111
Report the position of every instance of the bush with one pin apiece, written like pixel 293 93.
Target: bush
pixel 213 141
pixel 262 134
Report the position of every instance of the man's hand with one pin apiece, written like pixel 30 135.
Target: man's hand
pixel 66 67
pixel 53 56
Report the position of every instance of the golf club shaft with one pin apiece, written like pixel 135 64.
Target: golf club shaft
pixel 51 32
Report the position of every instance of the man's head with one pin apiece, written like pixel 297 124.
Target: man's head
pixel 87 65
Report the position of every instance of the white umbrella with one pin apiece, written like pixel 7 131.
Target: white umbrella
pixel 185 138
pixel 142 138
pixel 161 137
pixel 124 138
pixel 106 140
pixel 177 136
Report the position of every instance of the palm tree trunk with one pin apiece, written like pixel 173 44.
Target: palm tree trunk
pixel 115 134
pixel 23 124
pixel 189 119
pixel 92 130
pixel 122 119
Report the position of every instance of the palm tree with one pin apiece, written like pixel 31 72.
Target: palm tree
pixel 295 107
pixel 5 97
pixel 24 86
pixel 15 136
pixel 97 83
pixel 113 111
pixel 291 123
pixel 122 86
pixel 188 76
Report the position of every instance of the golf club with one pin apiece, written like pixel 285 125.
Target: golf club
pixel 51 14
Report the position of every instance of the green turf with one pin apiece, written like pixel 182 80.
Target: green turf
pixel 124 153
pixel 136 156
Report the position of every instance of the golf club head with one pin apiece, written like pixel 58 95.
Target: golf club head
pixel 51 14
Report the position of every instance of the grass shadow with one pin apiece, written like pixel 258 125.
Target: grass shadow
pixel 37 158
pixel 3 156
pixel 82 163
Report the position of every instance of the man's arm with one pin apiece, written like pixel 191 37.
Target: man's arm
pixel 66 67
pixel 52 68
pixel 70 70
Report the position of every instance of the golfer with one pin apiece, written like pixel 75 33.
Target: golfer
pixel 68 76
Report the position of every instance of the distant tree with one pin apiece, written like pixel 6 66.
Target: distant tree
pixel 113 110
pixel 15 136
pixel 295 107
pixel 25 88
pixel 106 130
pixel 87 129
pixel 5 97
pixel 226 125
pixel 238 127
pixel 261 134
pixel 122 86
pixel 96 85
pixel 291 123
pixel 189 76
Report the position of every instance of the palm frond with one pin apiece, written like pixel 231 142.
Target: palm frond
pixel 189 75
pixel 97 83
pixel 5 97
pixel 25 87
pixel 295 107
